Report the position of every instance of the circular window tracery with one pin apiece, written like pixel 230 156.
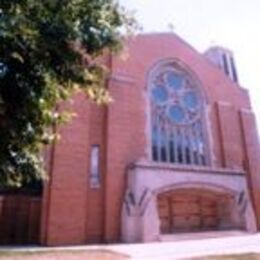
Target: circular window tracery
pixel 160 94
pixel 174 80
pixel 173 92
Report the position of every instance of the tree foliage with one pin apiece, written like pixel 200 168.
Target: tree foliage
pixel 47 49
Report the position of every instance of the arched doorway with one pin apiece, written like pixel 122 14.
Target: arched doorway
pixel 194 210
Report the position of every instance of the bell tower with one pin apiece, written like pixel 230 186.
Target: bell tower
pixel 224 60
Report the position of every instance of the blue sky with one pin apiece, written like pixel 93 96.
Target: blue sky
pixel 234 24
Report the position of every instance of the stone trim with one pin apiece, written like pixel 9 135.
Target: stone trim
pixel 185 168
pixel 140 219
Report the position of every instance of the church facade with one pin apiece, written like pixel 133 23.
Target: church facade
pixel 176 151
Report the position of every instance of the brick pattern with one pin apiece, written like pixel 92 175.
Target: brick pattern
pixel 65 210
pixel 75 214
pixel 95 197
pixel 125 144
pixel 252 152
pixel 231 139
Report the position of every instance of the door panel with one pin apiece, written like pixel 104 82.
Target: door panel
pixel 164 212
pixel 187 212
pixel 185 208
pixel 209 222
pixel 185 223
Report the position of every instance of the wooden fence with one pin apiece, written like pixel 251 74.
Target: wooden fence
pixel 19 219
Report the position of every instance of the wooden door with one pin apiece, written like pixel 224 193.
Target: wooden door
pixel 187 212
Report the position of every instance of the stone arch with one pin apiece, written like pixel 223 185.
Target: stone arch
pixel 196 185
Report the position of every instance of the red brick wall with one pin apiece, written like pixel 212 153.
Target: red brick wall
pixel 252 155
pixel 230 136
pixel 125 144
pixel 95 196
pixel 73 213
pixel 76 214
pixel 64 214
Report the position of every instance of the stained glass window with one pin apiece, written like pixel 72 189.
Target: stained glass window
pixel 94 167
pixel 176 114
pixel 174 80
pixel 190 100
pixel 159 94
pixel 176 117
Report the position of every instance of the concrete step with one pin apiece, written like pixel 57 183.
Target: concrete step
pixel 201 235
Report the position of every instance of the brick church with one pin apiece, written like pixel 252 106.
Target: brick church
pixel 176 152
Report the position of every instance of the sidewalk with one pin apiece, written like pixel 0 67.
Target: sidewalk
pixel 236 243
pixel 192 248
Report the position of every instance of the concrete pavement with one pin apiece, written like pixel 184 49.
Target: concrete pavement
pixel 183 246
pixel 237 244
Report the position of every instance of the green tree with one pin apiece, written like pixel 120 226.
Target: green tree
pixel 47 51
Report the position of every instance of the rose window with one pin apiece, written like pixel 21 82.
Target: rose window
pixel 176 106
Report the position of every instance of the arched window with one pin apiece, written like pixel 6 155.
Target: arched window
pixel 176 117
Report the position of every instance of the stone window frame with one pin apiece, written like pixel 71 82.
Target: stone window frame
pixel 94 176
pixel 155 70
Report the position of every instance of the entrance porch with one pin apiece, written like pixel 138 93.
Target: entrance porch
pixel 163 199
